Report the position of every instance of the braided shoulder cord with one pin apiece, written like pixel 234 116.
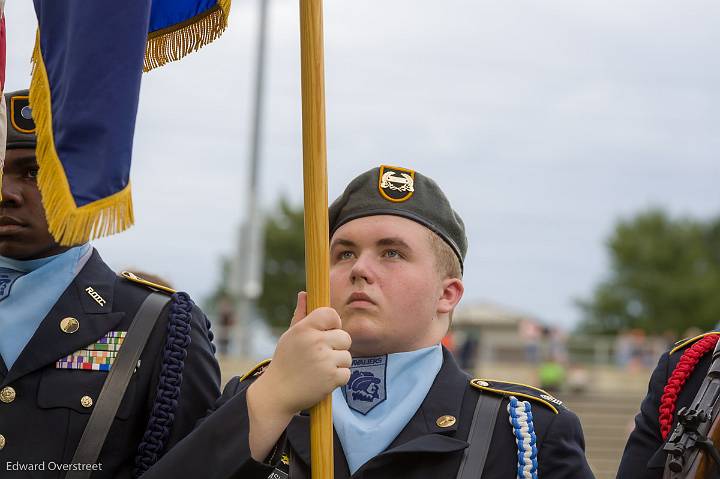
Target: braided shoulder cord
pixel 168 389
pixel 210 334
pixel 522 422
pixel 676 381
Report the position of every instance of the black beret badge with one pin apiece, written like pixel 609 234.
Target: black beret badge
pixel 396 184
pixel 21 114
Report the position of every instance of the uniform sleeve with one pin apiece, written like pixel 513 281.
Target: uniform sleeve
pixel 191 366
pixel 645 440
pixel 562 452
pixel 218 447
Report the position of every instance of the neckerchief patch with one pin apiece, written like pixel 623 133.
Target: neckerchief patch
pixel 7 278
pixel 98 356
pixel 367 386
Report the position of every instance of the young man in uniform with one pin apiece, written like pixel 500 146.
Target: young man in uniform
pixel 673 385
pixel 401 405
pixel 64 316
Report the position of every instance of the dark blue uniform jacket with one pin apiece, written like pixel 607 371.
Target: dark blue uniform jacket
pixel 643 457
pixel 218 448
pixel 43 422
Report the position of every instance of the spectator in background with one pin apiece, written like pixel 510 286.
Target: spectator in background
pixel 468 352
pixel 530 334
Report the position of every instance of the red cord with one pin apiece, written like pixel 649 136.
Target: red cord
pixel 677 379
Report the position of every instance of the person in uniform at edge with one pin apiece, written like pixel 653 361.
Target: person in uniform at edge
pixel 401 405
pixel 63 317
pixel 673 385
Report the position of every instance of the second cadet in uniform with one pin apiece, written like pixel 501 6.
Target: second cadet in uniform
pixel 64 317
pixel 401 405
pixel 674 383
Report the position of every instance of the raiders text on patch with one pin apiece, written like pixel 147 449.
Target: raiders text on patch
pixel 94 295
pixel 367 362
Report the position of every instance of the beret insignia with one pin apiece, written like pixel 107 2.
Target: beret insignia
pixel 21 114
pixel 520 391
pixel 396 184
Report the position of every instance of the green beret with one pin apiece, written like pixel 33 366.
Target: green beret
pixel 20 125
pixel 391 190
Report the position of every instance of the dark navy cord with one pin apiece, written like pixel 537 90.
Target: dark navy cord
pixel 168 390
pixel 210 334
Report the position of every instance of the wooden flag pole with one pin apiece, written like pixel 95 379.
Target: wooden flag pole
pixel 317 249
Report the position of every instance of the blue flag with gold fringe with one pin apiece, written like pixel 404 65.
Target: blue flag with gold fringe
pixel 88 62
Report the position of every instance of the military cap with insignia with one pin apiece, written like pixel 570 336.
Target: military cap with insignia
pixel 20 125
pixel 391 190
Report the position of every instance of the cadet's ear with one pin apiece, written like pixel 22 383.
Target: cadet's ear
pixel 452 292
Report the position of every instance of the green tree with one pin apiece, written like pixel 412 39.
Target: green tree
pixel 665 276
pixel 284 266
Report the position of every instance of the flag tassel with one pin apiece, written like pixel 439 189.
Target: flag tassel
pixel 177 41
pixel 68 223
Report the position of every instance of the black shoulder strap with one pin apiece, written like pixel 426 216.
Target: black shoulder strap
pixel 479 437
pixel 116 383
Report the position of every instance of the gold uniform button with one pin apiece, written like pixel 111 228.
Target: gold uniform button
pixel 7 394
pixel 86 401
pixel 69 325
pixel 446 421
pixel 2 441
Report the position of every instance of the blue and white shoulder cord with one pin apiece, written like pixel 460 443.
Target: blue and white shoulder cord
pixel 524 430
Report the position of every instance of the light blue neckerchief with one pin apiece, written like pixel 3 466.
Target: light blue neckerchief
pixel 365 430
pixel 32 295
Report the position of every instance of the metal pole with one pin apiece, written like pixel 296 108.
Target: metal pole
pixel 248 266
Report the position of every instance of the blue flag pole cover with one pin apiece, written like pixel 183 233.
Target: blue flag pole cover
pixel 88 61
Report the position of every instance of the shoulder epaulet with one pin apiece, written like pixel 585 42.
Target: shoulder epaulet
pixel 136 279
pixel 256 371
pixel 519 390
pixel 688 341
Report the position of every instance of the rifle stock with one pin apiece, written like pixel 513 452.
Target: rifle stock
pixel 703 466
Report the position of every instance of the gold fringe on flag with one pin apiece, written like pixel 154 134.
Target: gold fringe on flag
pixel 68 223
pixel 175 42
pixel 3 134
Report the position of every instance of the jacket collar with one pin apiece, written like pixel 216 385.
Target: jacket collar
pixel 421 434
pixel 96 318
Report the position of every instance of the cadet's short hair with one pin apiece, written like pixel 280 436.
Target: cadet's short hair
pixel 446 261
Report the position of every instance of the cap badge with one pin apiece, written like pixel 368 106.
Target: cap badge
pixel 396 184
pixel 26 113
pixel 21 114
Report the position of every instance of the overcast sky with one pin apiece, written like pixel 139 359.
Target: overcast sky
pixel 544 123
